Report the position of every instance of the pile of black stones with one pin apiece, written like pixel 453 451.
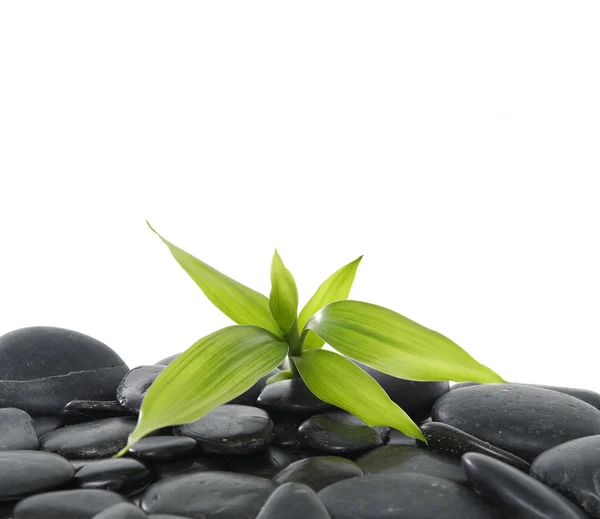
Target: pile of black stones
pixel 68 403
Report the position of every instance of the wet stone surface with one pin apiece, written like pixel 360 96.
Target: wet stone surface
pixel 135 384
pixel 79 411
pixel 292 396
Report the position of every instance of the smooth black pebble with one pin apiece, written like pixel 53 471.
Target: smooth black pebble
pixel 17 430
pixel 250 396
pixel 292 396
pixel 319 472
pixel 190 464
pixel 122 511
pixel 80 411
pixel 293 501
pixel 122 475
pixel 264 464
pixel 45 424
pixel 135 385
pixel 163 448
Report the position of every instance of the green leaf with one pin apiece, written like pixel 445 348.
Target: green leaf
pixel 278 377
pixel 283 301
pixel 210 373
pixel 338 381
pixel 238 302
pixel 335 288
pixel 393 344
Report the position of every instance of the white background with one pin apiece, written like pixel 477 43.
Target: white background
pixel 455 144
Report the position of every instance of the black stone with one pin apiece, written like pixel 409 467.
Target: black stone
pixel 409 495
pixel 58 366
pixel 167 360
pixel 163 448
pixel 397 438
pixel 17 430
pixel 250 396
pixel 450 441
pixel 80 411
pixel 339 432
pixel 292 396
pixel 414 397
pixel 97 439
pixel 400 459
pixel 135 385
pixel 285 428
pixel 45 424
pixel 165 516
pixel 319 472
pixel 520 419
pixel 190 465
pixel 122 475
pixel 208 495
pixel 67 504
pixel 573 470
pixel 23 473
pixel 230 429
pixel 514 493
pixel 264 464
pixel 122 511
pixel 293 501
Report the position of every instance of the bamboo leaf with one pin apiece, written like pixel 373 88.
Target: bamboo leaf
pixel 210 373
pixel 238 302
pixel 338 381
pixel 335 288
pixel 393 344
pixel 283 301
pixel 278 377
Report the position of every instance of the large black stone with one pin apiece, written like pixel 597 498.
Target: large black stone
pixel 189 465
pixel 97 439
pixel 208 495
pixel 573 469
pixel 513 492
pixel 66 504
pixel 17 430
pixel 230 429
pixel 122 475
pixel 400 459
pixel 42 368
pixel 163 448
pixel 250 396
pixel 409 495
pixel 23 473
pixel 293 501
pixel 520 419
pixel 122 511
pixel 292 396
pixel 79 411
pixel 319 472
pixel 135 385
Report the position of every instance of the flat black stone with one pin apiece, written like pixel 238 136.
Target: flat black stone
pixel 450 441
pixel 319 472
pixel 208 495
pixel 339 432
pixel 264 464
pixel 410 495
pixel 400 459
pixel 523 420
pixel 514 493
pixel 414 397
pixel 250 396
pixel 122 475
pixel 23 473
pixel 292 396
pixel 80 411
pixel 135 385
pixel 285 428
pixel 573 470
pixel 97 439
pixel 230 429
pixel 58 365
pixel 45 424
pixel 189 465
pixel 17 430
pixel 122 511
pixel 293 501
pixel 163 448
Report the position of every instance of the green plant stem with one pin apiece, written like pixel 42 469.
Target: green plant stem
pixel 293 339
pixel 293 367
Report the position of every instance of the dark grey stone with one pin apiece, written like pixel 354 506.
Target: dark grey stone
pixel 167 360
pixel 42 368
pixel 135 385
pixel 66 504
pixel 573 470
pixel 450 441
pixel 122 511
pixel 208 495
pixel 250 396
pixel 80 411
pixel 400 459
pixel 409 495
pixel 230 429
pixel 293 501
pixel 339 432
pixel 514 493
pixel 97 439
pixel 23 473
pixel 163 448
pixel 189 465
pixel 319 472
pixel 397 438
pixel 122 475
pixel 17 430
pixel 292 396
pixel 285 428
pixel 45 424
pixel 264 464
pixel 523 420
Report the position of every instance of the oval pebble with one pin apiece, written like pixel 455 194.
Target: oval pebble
pixel 97 439
pixel 135 385
pixel 516 494
pixel 190 464
pixel 17 430
pixel 293 501
pixel 222 495
pixel 79 411
pixel 122 475
pixel 292 396
pixel 319 472
pixel 264 464
pixel 230 429
pixel 23 473
pixel 122 511
pixel 163 448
